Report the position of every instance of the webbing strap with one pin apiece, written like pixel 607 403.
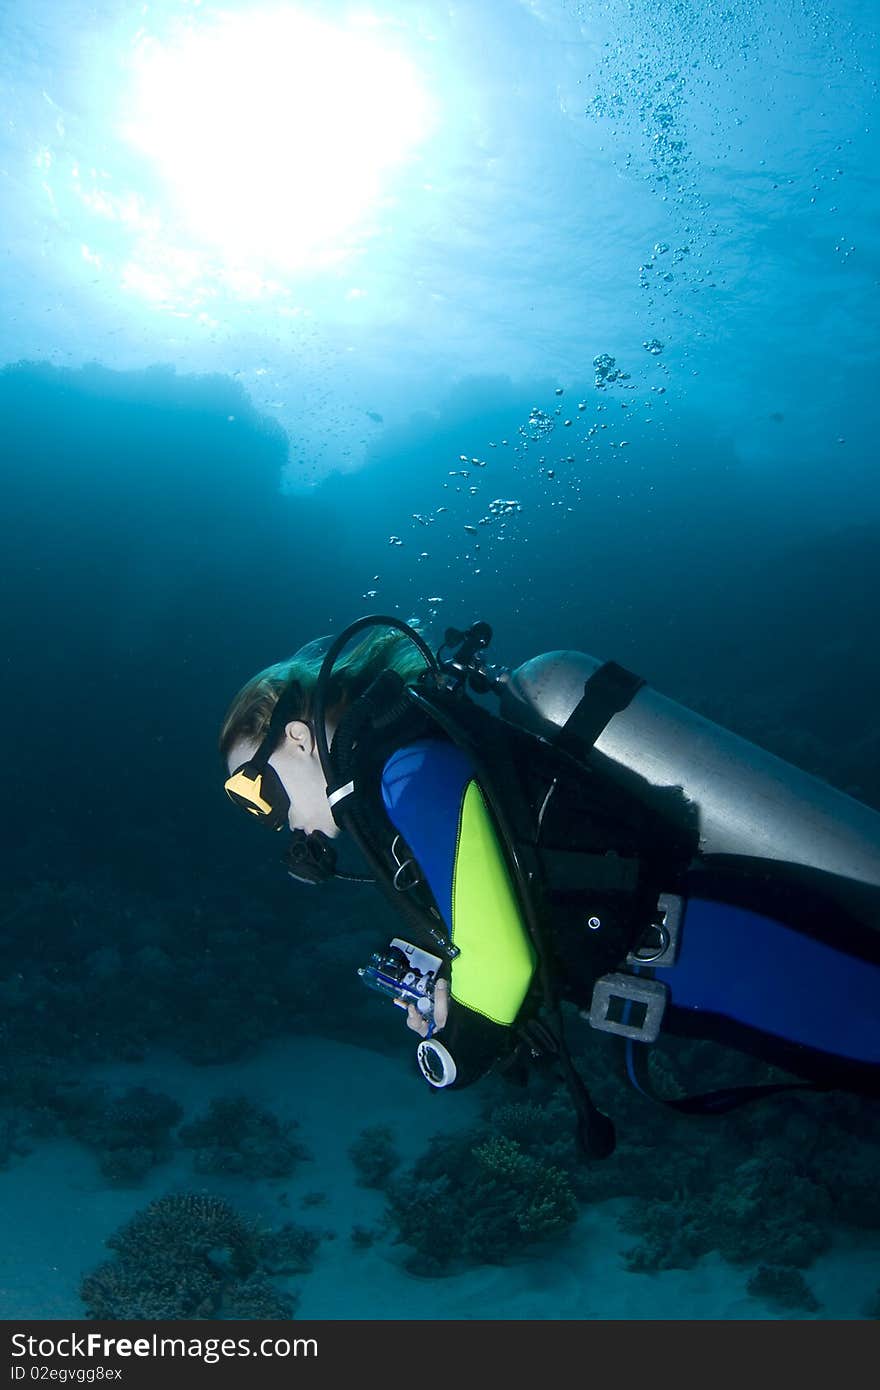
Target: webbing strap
pixel 608 691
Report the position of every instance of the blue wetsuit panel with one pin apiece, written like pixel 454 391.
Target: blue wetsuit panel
pixel 422 788
pixel 759 972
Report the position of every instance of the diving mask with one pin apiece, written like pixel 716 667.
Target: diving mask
pixel 254 785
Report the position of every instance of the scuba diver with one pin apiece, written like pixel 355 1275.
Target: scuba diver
pixel 562 833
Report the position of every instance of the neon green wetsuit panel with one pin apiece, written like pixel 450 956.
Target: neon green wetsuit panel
pixel 493 973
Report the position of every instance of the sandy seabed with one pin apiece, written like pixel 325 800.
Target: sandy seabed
pixel 56 1211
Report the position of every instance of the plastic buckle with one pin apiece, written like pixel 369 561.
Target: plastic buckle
pixel 648 996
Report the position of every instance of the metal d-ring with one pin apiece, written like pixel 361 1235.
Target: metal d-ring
pixel 639 953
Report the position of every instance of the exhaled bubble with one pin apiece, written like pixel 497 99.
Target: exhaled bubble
pixel 538 426
pixel 607 370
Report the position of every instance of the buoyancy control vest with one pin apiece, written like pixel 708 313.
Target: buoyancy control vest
pixel 668 854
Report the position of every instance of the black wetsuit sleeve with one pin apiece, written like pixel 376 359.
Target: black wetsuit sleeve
pixel 475 1042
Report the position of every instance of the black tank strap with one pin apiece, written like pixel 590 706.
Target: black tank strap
pixel 608 690
pixel 718 1102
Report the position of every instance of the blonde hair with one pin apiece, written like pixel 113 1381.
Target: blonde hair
pixel 384 649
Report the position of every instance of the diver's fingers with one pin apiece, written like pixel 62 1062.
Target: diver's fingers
pixel 441 1003
pixel 415 1021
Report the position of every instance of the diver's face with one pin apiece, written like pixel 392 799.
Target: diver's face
pixel 298 765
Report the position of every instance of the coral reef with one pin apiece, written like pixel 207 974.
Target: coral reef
pixel 106 967
pixel 174 1260
pixel 186 1255
pixel 477 1198
pixel 236 1136
pixel 130 1133
pixel 289 1250
pixel 257 1297
pixel 783 1286
pixel 765 1211
pixel 761 1185
pixel 374 1155
pixel 363 1237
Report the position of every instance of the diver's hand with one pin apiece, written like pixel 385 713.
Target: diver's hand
pixel 418 1023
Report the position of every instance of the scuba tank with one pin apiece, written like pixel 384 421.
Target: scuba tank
pixel 772 943
pixel 748 804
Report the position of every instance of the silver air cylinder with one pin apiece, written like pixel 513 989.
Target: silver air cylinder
pixel 747 802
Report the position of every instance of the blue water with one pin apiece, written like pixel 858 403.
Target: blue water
pixel 581 341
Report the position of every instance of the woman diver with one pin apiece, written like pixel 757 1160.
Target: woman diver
pixel 562 832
